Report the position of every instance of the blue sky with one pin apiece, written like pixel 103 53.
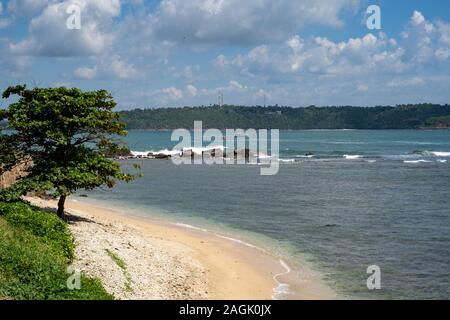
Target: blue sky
pixel 179 52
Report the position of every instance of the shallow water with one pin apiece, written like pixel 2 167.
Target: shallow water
pixel 337 214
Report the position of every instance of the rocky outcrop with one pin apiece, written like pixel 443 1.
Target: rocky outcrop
pixel 9 177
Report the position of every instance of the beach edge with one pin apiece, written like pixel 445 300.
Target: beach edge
pixel 228 268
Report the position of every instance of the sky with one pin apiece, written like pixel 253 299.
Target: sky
pixel 171 53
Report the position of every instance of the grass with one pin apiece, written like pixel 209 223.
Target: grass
pixel 48 227
pixel 36 248
pixel 122 265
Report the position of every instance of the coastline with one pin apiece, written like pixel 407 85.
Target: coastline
pixel 310 130
pixel 177 261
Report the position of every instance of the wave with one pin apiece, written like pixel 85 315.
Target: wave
pixel 352 157
pixel 140 153
pixel 200 150
pixel 305 156
pixel 428 143
pixel 281 288
pixel 237 241
pixel 188 226
pixel 415 157
pixel 416 161
pixel 287 160
pixel 167 152
pixel 264 156
pixel 436 153
pixel 164 152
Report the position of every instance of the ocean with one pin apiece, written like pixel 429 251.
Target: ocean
pixel 342 201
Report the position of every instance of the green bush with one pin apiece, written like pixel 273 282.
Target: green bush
pixel 40 223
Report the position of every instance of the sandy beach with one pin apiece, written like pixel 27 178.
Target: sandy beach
pixel 167 261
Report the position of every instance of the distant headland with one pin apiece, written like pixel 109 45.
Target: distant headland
pixel 411 116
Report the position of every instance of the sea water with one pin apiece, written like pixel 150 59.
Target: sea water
pixel 342 201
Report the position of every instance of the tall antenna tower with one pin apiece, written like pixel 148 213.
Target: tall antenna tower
pixel 220 99
pixel 264 99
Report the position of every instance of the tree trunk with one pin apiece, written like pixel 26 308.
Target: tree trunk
pixel 61 202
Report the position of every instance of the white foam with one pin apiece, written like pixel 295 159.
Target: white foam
pixel 264 156
pixel 442 161
pixel 281 288
pixel 439 154
pixel 188 226
pixel 287 160
pixel 168 152
pixel 140 154
pixel 416 161
pixel 237 241
pixel 199 151
pixel 165 152
pixel 352 157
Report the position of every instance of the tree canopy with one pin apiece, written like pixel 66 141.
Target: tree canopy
pixel 67 134
pixel 288 118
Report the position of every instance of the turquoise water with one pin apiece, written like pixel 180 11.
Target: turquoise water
pixel 390 207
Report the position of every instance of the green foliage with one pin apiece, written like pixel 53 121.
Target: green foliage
pixel 14 192
pixel 122 265
pixel 40 223
pixel 67 133
pixel 117 260
pixel 439 122
pixel 115 151
pixel 33 262
pixel 286 118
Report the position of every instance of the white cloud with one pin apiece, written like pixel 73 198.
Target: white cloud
pixel 372 55
pixel 192 90
pixel 241 22
pixel 235 85
pixel 108 67
pixel 49 35
pixel 417 18
pixel 188 73
pixel 425 41
pixel 220 61
pixel 5 22
pixel 442 53
pixel 444 32
pixel 322 56
pixel 27 7
pixel 363 87
pixel 276 59
pixel 408 82
pixel 86 72
pixel 12 66
pixel 122 69
pixel 173 93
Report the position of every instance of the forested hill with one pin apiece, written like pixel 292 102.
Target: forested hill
pixel 386 117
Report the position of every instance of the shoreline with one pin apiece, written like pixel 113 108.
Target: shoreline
pixel 307 130
pixel 218 267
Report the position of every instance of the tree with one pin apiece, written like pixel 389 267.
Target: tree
pixel 67 134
